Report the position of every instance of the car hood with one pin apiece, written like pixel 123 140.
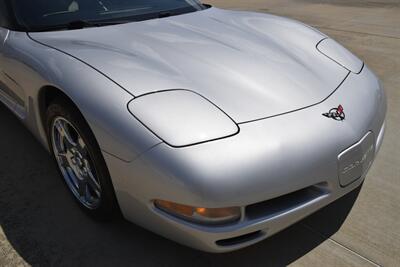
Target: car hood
pixel 250 65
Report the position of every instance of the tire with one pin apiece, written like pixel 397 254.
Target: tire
pixel 98 200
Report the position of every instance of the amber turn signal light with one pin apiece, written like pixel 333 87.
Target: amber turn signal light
pixel 200 214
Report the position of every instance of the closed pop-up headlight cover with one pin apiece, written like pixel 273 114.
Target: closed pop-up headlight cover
pixel 182 118
pixel 340 55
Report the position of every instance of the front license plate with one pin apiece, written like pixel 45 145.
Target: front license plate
pixel 355 161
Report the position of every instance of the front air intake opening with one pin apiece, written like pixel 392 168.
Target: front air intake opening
pixel 240 239
pixel 285 203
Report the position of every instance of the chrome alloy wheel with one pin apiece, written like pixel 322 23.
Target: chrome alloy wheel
pixel 75 164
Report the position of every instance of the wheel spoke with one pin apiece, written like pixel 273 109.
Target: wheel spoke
pixel 81 146
pixel 64 133
pixel 92 182
pixel 62 159
pixel 60 128
pixel 72 177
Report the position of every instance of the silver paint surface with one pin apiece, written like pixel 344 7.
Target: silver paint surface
pixel 263 71
pixel 247 64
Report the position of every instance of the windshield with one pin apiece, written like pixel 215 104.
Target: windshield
pixel 52 14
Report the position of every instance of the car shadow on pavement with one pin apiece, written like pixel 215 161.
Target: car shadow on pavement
pixel 45 227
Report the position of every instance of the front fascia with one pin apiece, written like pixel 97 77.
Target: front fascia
pixel 267 159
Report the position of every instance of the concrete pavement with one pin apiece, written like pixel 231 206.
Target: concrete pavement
pixel 41 225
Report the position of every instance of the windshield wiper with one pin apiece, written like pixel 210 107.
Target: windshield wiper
pixel 78 24
pixel 165 14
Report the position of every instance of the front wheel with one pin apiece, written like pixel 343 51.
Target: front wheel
pixel 79 160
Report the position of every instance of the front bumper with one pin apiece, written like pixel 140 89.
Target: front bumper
pixel 279 170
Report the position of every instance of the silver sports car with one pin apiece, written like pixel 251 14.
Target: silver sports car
pixel 214 128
